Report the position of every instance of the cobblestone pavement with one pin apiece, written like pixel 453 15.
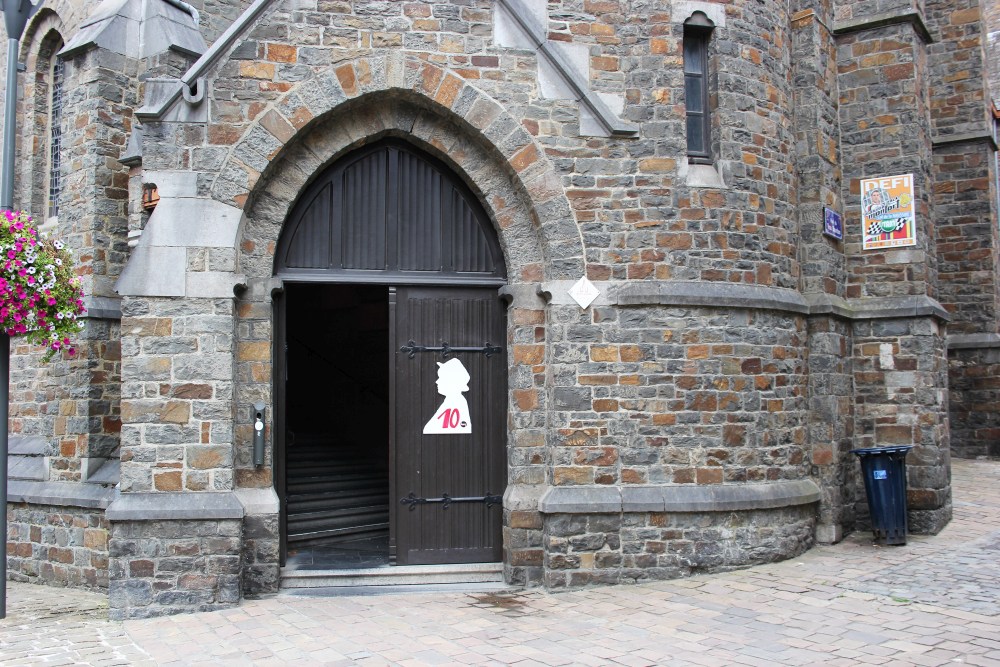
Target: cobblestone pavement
pixel 935 601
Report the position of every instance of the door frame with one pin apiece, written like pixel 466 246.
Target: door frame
pixel 279 374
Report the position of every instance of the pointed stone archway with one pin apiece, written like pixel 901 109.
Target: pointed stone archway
pixel 514 200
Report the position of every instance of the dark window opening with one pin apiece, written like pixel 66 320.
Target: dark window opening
pixel 697 33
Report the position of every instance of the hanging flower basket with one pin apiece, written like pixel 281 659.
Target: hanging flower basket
pixel 40 298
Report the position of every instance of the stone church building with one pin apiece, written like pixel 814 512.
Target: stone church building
pixel 571 292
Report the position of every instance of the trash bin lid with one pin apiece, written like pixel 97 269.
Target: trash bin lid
pixel 873 451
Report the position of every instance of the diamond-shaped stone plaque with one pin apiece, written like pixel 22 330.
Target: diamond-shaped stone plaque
pixel 584 292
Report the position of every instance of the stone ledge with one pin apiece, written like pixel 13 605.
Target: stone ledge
pixel 710 294
pixel 62 494
pixel 728 295
pixel 103 307
pixel 175 506
pixel 677 498
pixel 897 306
pixel 916 19
pixel 258 501
pixel 973 341
pixel 985 136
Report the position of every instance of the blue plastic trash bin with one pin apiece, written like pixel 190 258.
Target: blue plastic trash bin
pixel 884 470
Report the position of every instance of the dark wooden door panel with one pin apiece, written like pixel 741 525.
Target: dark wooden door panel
pixel 460 465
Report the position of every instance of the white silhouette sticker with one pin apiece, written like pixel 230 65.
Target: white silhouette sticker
pixel 452 417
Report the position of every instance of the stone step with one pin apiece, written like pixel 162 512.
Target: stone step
pixel 490 574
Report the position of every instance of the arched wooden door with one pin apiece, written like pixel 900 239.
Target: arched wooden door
pixel 389 215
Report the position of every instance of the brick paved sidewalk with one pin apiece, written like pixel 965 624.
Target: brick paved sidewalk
pixel 935 601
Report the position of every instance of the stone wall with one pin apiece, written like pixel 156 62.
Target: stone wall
pixel 169 567
pixel 965 210
pixel 177 384
pixel 65 546
pixel 631 547
pixel 733 348
pixel 974 383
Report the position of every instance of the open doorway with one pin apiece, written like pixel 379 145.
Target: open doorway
pixel 337 426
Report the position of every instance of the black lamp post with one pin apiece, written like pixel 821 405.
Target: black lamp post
pixel 15 16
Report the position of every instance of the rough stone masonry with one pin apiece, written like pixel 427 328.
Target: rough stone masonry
pixel 697 415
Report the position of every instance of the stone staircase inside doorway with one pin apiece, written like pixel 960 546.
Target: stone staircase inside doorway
pixel 334 495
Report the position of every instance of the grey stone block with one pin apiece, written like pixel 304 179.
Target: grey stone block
pixel 175 506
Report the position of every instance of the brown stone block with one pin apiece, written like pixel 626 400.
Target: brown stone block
pixel 894 435
pixel 703 402
pixel 698 352
pixel 254 478
pixel 684 476
pixel 448 91
pixel 633 476
pixel 282 53
pixel 529 355
pixel 430 79
pixel 254 351
pixel 734 435
pixel 67 447
pixel 605 405
pixel 167 481
pixel 601 380
pixel 524 158
pixel 95 538
pixel 630 380
pixel 604 63
pixel 149 326
pixel 580 437
pixel 569 476
pixel 709 475
pixel 141 568
pixel 175 412
pixel 60 555
pixel 523 316
pixel 253 69
pixel 664 419
pixel 191 548
pixel 526 557
pixel 192 391
pixel 963 16
pixel 348 79
pixel 898 72
pixel 596 456
pixel 924 499
pixel 526 399
pixel 630 353
pixel 201 457
pixel 276 124
pixel 526 520
pixel 657 165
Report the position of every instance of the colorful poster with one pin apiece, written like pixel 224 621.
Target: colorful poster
pixel 833 226
pixel 887 212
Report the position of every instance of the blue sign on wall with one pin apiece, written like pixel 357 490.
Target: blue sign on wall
pixel 833 225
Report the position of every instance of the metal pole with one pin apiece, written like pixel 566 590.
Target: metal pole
pixel 9 131
pixel 15 16
pixel 4 410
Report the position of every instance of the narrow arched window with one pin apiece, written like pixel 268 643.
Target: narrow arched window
pixel 55 134
pixel 697 33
